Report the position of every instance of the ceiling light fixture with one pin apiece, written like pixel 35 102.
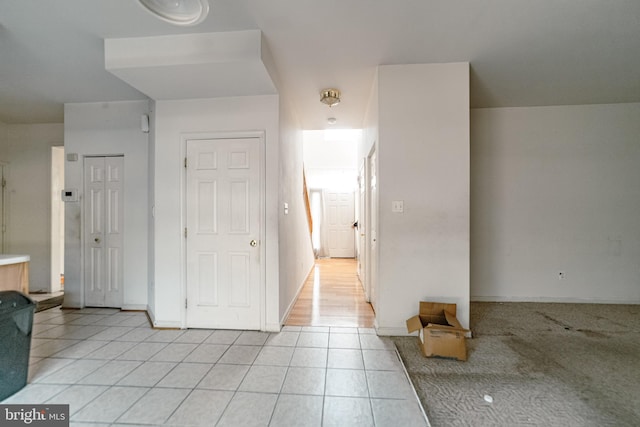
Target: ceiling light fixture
pixel 330 97
pixel 178 12
pixel 332 120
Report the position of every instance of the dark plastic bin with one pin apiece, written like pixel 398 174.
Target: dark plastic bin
pixel 16 324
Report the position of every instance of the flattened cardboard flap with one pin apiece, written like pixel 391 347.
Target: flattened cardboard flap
pixel 428 307
pixel 453 321
pixel 414 324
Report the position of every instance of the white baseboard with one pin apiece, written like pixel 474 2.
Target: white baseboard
pixel 152 315
pixel 162 323
pixel 72 306
pixel 134 307
pixel 393 331
pixel 167 324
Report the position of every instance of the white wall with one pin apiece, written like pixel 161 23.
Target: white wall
pixel 556 189
pixel 173 119
pixel 28 195
pixel 423 158
pixel 109 128
pixel 296 253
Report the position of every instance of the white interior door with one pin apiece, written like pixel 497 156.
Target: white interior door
pixel 373 230
pixel 223 211
pixel 340 217
pixel 103 231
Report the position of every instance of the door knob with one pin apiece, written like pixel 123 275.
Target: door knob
pixel 253 243
pixel 97 240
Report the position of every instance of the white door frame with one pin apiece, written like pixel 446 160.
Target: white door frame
pixel 372 258
pixel 363 224
pixel 184 137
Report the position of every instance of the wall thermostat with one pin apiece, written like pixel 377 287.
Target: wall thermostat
pixel 70 195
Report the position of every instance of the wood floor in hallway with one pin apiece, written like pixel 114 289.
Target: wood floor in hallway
pixel 332 296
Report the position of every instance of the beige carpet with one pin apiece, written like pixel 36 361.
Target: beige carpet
pixel 541 365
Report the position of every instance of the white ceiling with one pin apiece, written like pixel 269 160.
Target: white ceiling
pixel 522 52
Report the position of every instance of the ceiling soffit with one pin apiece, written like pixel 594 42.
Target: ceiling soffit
pixel 190 66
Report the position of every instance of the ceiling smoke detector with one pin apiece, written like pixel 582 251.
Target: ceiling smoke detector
pixel 330 97
pixel 178 12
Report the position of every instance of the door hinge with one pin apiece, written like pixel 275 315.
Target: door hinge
pixel 185 303
pixel 4 182
pixel 185 162
pixel 185 232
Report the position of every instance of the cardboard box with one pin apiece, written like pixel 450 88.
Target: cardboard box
pixel 440 331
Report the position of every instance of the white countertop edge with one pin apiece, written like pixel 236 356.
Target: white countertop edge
pixel 13 259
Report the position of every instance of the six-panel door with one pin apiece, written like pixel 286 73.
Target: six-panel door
pixel 103 231
pixel 223 233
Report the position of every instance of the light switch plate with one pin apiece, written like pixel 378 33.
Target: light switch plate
pixel 397 206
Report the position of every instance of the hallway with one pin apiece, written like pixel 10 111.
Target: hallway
pixel 332 296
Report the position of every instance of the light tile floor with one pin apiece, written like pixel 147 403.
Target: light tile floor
pixel 112 368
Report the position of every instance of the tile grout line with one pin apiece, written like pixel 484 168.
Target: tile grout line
pixel 366 379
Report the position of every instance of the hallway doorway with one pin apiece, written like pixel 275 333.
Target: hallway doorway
pixel 332 296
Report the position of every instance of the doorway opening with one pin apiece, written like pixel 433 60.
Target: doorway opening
pixel 57 220
pixel 334 291
pixel 331 172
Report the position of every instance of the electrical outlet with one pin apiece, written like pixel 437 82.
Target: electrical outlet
pixel 562 275
pixel 397 206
